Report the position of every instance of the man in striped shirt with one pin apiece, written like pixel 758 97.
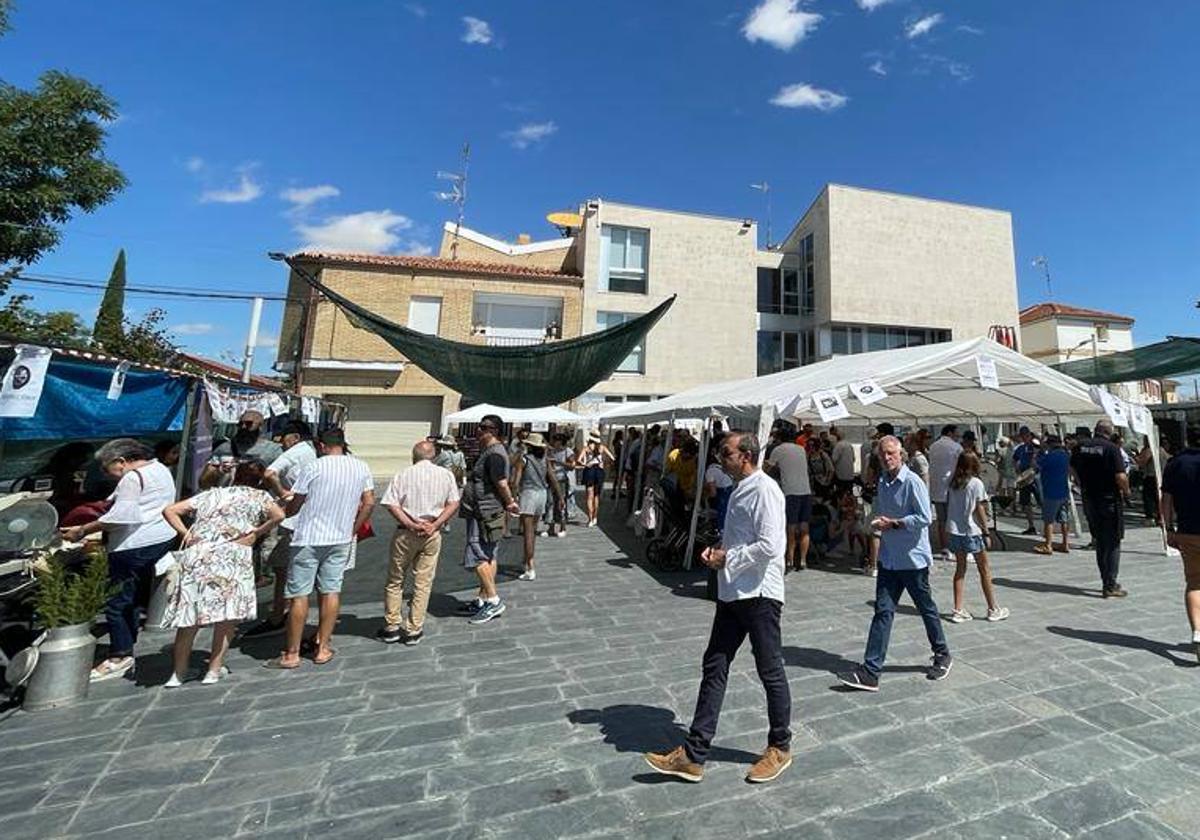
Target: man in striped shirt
pixel 331 499
pixel 422 499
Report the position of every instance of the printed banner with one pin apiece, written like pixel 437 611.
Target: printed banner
pixel 988 377
pixel 23 382
pixel 868 391
pixel 310 409
pixel 277 405
pixel 1114 407
pixel 117 385
pixel 830 406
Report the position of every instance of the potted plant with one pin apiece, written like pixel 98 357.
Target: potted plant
pixel 67 603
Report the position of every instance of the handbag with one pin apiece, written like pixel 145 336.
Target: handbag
pixel 165 590
pixel 365 531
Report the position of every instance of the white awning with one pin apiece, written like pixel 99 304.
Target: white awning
pixel 545 414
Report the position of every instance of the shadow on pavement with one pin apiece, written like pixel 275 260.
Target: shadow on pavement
pixel 634 728
pixel 1125 640
pixel 1039 586
pixel 815 659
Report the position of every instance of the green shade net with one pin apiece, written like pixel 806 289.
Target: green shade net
pixel 517 377
pixel 1154 361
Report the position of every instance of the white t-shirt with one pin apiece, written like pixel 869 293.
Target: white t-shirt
pixel 288 465
pixel 792 461
pixel 332 486
pixel 715 475
pixel 136 512
pixel 943 457
pixel 843 460
pixel 960 508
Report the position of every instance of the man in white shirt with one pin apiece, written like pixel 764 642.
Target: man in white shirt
pixel 281 474
pixel 943 457
pixel 843 463
pixel 750 570
pixel 791 462
pixel 422 499
pixel 331 499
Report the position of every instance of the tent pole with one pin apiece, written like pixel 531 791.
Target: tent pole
pixel 1152 434
pixel 641 467
pixel 701 464
pixel 766 417
pixel 621 461
pixel 189 417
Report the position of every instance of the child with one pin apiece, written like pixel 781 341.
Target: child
pixel 969 533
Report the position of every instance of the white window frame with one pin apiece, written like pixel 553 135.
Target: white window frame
pixel 624 272
pixel 426 299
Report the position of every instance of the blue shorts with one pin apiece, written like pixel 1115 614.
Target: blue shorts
pixel 798 509
pixel 479 549
pixel 593 477
pixel 966 544
pixel 323 565
pixel 1055 511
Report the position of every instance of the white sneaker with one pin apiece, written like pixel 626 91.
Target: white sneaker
pixel 174 682
pixel 959 616
pixel 561 534
pixel 591 523
pixel 998 614
pixel 110 670
pixel 213 677
pixel 528 574
pixel 543 533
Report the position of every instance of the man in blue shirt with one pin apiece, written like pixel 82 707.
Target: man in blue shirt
pixel 1053 466
pixel 1023 458
pixel 902 516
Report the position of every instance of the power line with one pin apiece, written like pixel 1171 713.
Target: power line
pixel 152 292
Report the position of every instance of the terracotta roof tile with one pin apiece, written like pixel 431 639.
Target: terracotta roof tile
pixel 1042 311
pixel 436 264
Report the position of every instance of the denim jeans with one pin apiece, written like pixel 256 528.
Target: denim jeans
pixel 759 619
pixel 889 586
pixel 132 572
pixel 1106 521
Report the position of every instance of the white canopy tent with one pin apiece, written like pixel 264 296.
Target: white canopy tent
pixel 925 385
pixel 545 414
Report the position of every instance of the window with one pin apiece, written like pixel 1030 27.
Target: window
pixel 635 362
pixel 425 314
pixel 791 292
pixel 515 319
pixel 785 350
pixel 624 270
pixel 1102 332
pixel 808 273
pixel 770 352
pixel 848 340
pixel 876 339
pixel 770 291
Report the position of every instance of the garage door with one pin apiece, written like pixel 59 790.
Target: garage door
pixel 382 430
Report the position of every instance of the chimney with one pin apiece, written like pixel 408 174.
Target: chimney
pixel 524 238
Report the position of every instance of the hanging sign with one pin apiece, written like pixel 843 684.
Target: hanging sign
pixel 988 377
pixel 1113 406
pixel 23 382
pixel 1139 419
pixel 310 409
pixel 868 391
pixel 276 404
pixel 117 384
pixel 830 406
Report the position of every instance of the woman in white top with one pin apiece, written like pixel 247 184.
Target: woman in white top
pixel 969 533
pixel 593 457
pixel 138 537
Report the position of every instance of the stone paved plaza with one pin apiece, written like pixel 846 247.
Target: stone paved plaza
pixel 1078 717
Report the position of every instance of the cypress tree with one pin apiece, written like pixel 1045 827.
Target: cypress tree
pixel 108 331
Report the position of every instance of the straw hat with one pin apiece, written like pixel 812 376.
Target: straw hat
pixel 535 440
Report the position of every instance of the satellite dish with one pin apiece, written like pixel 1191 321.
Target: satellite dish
pixel 27 524
pixel 566 221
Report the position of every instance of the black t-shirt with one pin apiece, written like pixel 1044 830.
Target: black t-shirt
pixel 1181 478
pixel 481 498
pixel 1097 461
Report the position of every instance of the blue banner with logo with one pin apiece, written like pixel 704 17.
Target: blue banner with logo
pixel 75 403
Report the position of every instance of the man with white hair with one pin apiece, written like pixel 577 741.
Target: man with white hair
pixel 902 517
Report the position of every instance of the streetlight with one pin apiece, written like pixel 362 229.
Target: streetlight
pixel 1090 340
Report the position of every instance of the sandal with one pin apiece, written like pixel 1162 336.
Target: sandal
pixel 1062 550
pixel 279 665
pixel 326 660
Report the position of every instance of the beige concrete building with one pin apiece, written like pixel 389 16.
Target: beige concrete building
pixel 392 404
pixel 1056 332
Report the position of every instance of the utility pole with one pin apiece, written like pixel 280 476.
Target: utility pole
pixel 1044 264
pixel 251 338
pixel 457 195
pixel 765 189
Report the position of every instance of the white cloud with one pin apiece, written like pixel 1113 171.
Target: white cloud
pixel 268 341
pixel 878 69
pixel 417 248
pixel 929 62
pixel 416 10
pixel 372 232
pixel 804 95
pixel 477 31
pixel 530 133
pixel 194 164
pixel 247 189
pixel 303 197
pixel 871 5
pixel 922 27
pixel 780 23
pixel 970 30
pixel 193 329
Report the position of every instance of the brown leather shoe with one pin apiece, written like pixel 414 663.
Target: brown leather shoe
pixel 676 763
pixel 773 762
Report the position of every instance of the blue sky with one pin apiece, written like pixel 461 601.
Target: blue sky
pixel 248 127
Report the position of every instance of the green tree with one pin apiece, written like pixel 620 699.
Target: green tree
pixel 52 161
pixel 62 329
pixel 146 341
pixel 107 331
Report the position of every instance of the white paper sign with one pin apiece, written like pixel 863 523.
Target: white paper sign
pixel 117 384
pixel 830 406
pixel 988 377
pixel 310 409
pixel 1139 419
pixel 1114 407
pixel 868 391
pixel 539 426
pixel 23 382
pixel 277 405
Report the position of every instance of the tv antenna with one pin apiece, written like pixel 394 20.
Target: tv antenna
pixel 1044 265
pixel 456 195
pixel 765 189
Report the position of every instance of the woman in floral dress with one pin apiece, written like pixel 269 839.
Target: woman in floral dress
pixel 216 574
